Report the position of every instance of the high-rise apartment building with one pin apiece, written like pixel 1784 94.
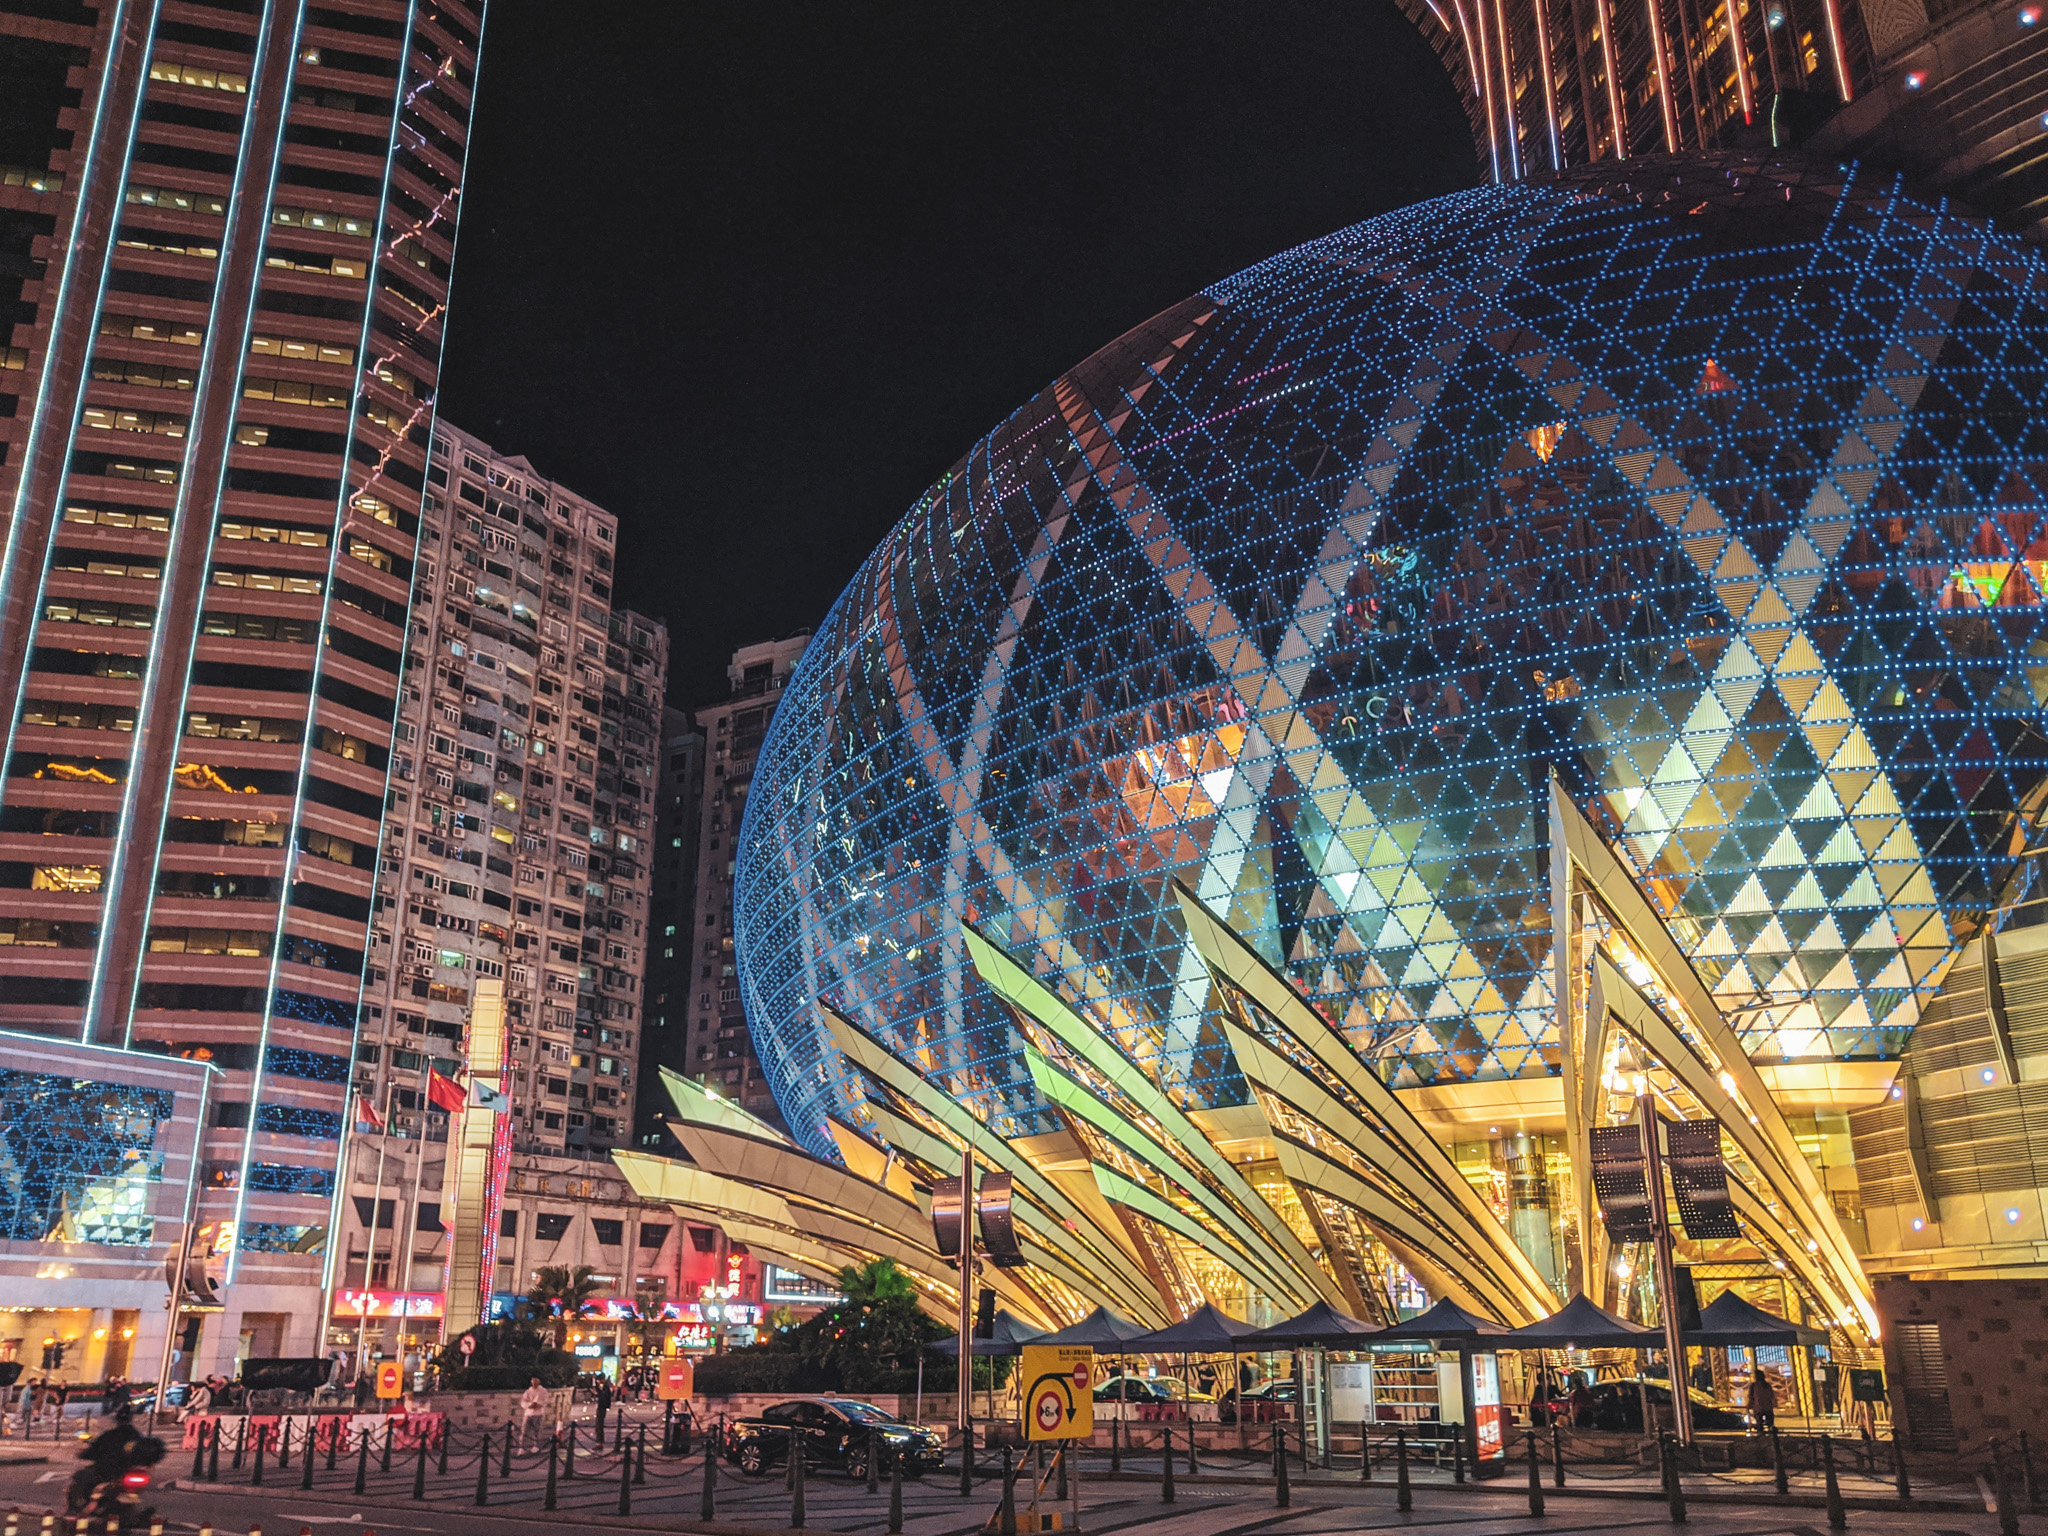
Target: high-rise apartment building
pixel 680 792
pixel 719 1051
pixel 518 844
pixel 226 233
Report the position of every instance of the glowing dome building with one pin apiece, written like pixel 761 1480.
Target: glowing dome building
pixel 1301 774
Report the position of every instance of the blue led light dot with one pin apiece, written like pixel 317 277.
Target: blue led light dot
pixel 1713 489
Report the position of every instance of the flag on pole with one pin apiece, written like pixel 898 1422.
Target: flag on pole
pixel 366 1113
pixel 444 1092
pixel 484 1096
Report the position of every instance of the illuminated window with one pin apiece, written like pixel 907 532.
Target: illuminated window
pixel 71 878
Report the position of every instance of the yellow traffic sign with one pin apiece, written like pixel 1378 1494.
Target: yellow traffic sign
pixel 1059 1391
pixel 390 1379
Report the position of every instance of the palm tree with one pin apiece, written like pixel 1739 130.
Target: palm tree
pixel 877 1280
pixel 563 1293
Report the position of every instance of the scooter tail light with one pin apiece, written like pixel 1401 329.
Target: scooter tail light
pixel 137 1479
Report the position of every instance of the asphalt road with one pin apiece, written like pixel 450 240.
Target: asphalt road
pixel 1205 1505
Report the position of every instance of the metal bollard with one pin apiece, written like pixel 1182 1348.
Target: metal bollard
pixel 1166 1493
pixel 2030 1488
pixel 1457 1436
pixel 504 1466
pixel 1838 1512
pixel 1900 1480
pixel 483 1472
pixel 1667 1466
pixel 796 1484
pixel 640 1465
pixel 1008 1525
pixel 668 1426
pixel 1116 1445
pixel 284 1443
pixel 1193 1465
pixel 419 1473
pixel 362 1460
pixel 441 1450
pixel 2001 1494
pixel 1282 1494
pixel 625 1474
pixel 708 1510
pixel 895 1499
pixel 390 1432
pixel 569 1455
pixel 967 1462
pixel 1778 1477
pixel 554 1462
pixel 333 1439
pixel 874 1461
pixel 1535 1478
pixel 1364 1451
pixel 1404 1496
pixel 256 1466
pixel 241 1441
pixel 1556 1454
pixel 198 1455
pixel 1066 1451
pixel 619 1434
pixel 306 1458
pixel 213 1456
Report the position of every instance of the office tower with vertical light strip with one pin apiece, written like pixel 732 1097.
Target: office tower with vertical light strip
pixel 518 848
pixel 227 231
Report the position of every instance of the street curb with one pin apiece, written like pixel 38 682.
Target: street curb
pixel 553 1519
pixel 1505 1487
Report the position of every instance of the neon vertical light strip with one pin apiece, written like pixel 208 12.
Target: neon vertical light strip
pixel 1507 94
pixel 1732 9
pixel 291 849
pixel 1835 48
pixel 1613 90
pixel 155 682
pixel 1549 91
pixel 402 98
pixel 1663 78
pixel 1479 71
pixel 18 520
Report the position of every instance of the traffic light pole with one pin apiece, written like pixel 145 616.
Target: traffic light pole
pixel 1666 1272
pixel 967 1300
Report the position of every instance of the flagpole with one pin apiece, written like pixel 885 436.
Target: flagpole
pixel 370 1242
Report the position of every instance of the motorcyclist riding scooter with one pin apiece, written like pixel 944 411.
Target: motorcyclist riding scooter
pixel 110 1484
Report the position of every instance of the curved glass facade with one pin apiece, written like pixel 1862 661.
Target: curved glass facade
pixel 1713 489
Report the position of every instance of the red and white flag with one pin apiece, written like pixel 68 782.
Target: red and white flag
pixel 366 1113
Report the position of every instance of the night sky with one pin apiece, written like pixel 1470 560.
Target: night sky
pixel 754 275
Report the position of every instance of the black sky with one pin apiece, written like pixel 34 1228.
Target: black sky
pixel 753 275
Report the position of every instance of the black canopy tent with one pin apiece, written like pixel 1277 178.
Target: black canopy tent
pixel 1101 1329
pixel 1578 1324
pixel 1008 1337
pixel 1729 1322
pixel 1321 1327
pixel 1446 1328
pixel 1206 1331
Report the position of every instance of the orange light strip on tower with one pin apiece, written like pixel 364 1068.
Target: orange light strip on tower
pixel 1835 49
pixel 1549 91
pixel 1477 69
pixel 1663 78
pixel 1613 91
pixel 1733 11
pixel 1507 94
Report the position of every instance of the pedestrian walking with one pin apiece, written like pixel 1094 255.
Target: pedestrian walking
pixel 534 1403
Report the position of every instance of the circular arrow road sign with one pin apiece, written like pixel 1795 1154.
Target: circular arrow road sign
pixel 1049 1409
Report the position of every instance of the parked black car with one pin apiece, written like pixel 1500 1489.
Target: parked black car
pixel 836 1432
pixel 1275 1392
pixel 1618 1407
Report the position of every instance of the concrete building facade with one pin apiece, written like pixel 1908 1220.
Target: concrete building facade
pixel 228 234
